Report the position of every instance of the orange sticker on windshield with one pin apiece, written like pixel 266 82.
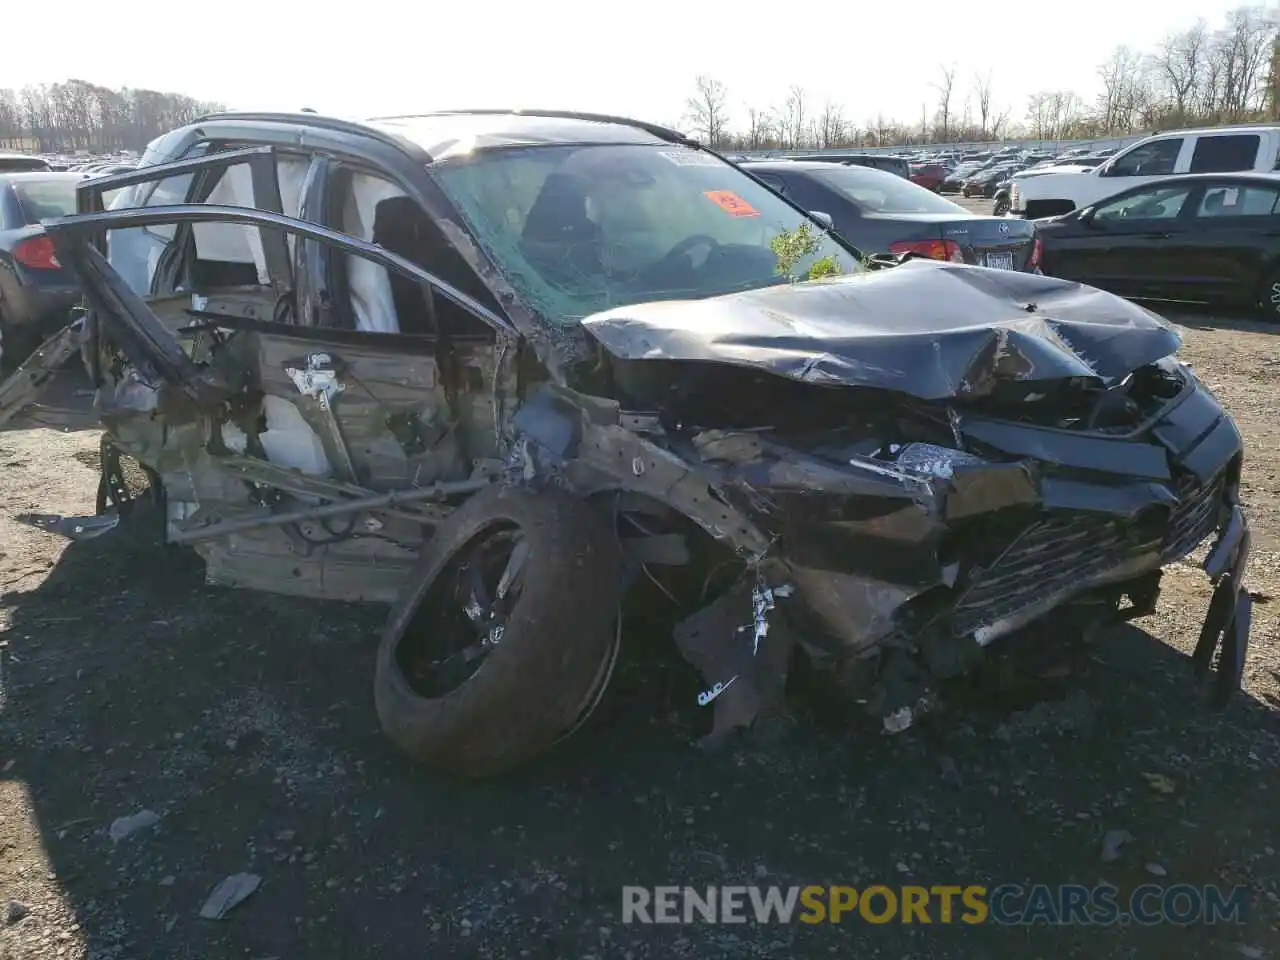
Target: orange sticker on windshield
pixel 731 203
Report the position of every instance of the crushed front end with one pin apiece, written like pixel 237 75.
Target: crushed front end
pixel 894 535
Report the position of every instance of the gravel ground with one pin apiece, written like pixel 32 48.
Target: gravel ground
pixel 241 728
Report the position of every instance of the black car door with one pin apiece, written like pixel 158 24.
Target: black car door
pixel 1128 244
pixel 1235 229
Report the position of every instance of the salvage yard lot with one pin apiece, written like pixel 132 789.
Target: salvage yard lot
pixel 246 723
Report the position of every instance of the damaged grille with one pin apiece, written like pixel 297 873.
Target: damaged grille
pixel 1053 555
pixel 1047 557
pixel 1195 516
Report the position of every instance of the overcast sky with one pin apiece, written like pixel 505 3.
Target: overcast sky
pixel 374 57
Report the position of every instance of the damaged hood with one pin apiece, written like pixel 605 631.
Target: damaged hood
pixel 932 330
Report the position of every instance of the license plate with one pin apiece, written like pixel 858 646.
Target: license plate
pixel 1000 261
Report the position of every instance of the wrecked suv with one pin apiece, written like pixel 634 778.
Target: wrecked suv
pixel 506 371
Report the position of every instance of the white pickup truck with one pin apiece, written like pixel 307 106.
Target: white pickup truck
pixel 1216 150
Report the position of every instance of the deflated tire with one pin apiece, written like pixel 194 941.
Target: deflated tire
pixel 500 633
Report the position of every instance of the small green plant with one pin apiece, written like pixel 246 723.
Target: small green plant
pixel 792 246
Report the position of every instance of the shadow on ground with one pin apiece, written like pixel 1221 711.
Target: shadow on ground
pixel 246 722
pixel 1198 318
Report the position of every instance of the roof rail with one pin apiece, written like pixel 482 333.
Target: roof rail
pixel 661 132
pixel 320 120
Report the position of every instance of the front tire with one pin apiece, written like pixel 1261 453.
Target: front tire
pixel 475 686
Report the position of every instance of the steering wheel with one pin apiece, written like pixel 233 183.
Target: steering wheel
pixel 687 244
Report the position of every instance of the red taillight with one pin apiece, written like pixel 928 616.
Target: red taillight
pixel 1037 253
pixel 933 249
pixel 37 253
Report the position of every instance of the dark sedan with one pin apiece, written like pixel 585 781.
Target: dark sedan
pixel 954 180
pixel 880 213
pixel 1201 238
pixel 35 291
pixel 985 182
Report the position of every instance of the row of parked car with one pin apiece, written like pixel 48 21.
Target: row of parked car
pixel 1140 243
pixel 530 376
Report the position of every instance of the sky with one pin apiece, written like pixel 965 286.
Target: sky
pixel 376 57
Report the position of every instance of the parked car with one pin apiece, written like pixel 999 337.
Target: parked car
pixel 1214 150
pixel 983 183
pixel 19 162
pixel 503 369
pixel 1210 238
pixel 955 179
pixel 878 161
pixel 36 292
pixel 928 175
pixel 878 213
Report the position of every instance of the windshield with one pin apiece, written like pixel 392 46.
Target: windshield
pixel 579 229
pixel 45 199
pixel 876 192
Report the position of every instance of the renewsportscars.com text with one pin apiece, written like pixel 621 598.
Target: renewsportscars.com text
pixel 1005 904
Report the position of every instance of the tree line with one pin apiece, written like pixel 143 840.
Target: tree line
pixel 77 115
pixel 1200 75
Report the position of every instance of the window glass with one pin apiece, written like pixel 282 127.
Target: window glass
pixel 135 252
pixel 1225 154
pixel 875 191
pixel 45 199
pixel 1160 203
pixel 1250 201
pixel 578 229
pixel 1155 159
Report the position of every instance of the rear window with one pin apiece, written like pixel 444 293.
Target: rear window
pixel 875 191
pixel 1225 154
pixel 45 199
pixel 21 164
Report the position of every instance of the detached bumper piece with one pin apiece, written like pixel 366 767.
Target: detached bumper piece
pixel 1226 627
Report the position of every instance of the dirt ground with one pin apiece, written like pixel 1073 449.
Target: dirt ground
pixel 245 723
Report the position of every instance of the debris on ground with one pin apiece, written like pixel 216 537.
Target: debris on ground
pixel 229 894
pixel 1160 783
pixel 122 827
pixel 1156 870
pixel 1112 842
pixel 15 912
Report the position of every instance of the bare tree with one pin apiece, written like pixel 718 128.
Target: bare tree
pixel 1180 63
pixel 982 94
pixel 831 128
pixel 77 115
pixel 945 87
pixel 755 128
pixel 707 110
pixel 794 117
pixel 998 122
pixel 1242 49
pixel 1127 92
pixel 1273 81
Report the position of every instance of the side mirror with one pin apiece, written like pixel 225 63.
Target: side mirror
pixel 1085 216
pixel 824 219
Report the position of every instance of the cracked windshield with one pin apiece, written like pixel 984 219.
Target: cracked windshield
pixel 580 229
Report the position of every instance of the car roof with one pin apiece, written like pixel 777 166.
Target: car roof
pixel 448 133
pixel 1269 178
pixel 1258 128
pixel 37 176
pixel 783 163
